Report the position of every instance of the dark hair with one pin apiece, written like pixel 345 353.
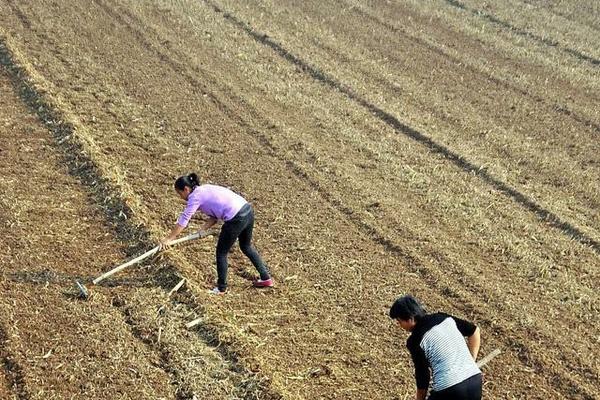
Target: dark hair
pixel 407 307
pixel 184 181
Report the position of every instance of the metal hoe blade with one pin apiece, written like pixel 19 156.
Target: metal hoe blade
pixel 83 292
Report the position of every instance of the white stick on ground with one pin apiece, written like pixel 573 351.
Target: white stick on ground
pixel 193 323
pixel 488 358
pixel 177 287
pixel 143 256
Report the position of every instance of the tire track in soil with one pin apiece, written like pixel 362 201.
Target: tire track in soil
pixel 11 369
pixel 543 215
pixel 474 70
pixel 117 213
pixel 524 33
pixel 522 350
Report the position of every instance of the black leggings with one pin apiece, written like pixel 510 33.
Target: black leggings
pixel 240 227
pixel 469 389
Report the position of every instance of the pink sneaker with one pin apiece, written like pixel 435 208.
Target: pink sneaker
pixel 259 283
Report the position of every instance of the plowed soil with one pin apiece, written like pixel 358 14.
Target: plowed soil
pixel 128 342
pixel 447 149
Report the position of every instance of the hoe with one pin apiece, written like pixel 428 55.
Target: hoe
pixel 481 363
pixel 84 292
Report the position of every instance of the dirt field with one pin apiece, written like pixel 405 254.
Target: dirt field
pixel 447 149
pixel 124 342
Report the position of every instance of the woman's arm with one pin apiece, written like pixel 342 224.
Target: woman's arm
pixel 422 373
pixel 208 224
pixel 177 229
pixel 473 343
pixel 471 331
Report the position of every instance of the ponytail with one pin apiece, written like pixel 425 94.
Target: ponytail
pixel 194 179
pixel 184 181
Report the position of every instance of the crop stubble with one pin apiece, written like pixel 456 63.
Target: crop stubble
pixel 279 136
pixel 112 346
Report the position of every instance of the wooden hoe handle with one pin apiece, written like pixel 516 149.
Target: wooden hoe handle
pixel 488 358
pixel 143 256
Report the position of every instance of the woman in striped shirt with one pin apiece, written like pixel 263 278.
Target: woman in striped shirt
pixel 437 343
pixel 220 204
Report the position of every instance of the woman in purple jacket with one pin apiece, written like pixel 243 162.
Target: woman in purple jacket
pixel 220 204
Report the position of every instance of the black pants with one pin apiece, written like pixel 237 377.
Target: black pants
pixel 241 227
pixel 469 389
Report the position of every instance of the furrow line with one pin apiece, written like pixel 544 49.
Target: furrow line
pixel 542 214
pixel 569 387
pixel 84 168
pixel 431 279
pixel 548 6
pixel 474 70
pixel 431 276
pixel 22 17
pixel 524 33
pixel 36 104
pixel 182 390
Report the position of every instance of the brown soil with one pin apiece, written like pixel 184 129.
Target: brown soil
pixel 390 148
pixel 7 389
pixel 126 342
pixel 58 346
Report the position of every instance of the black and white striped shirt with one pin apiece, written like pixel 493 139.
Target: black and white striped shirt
pixel 438 343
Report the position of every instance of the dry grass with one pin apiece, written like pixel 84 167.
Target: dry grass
pixel 122 343
pixel 69 349
pixel 200 368
pixel 568 24
pixel 355 212
pixel 522 49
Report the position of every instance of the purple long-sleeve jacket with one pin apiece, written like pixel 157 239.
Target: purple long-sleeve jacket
pixel 215 201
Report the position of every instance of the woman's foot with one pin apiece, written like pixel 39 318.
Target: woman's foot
pixel 260 283
pixel 216 291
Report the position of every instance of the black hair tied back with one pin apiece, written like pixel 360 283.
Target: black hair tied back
pixel 193 179
pixel 184 181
